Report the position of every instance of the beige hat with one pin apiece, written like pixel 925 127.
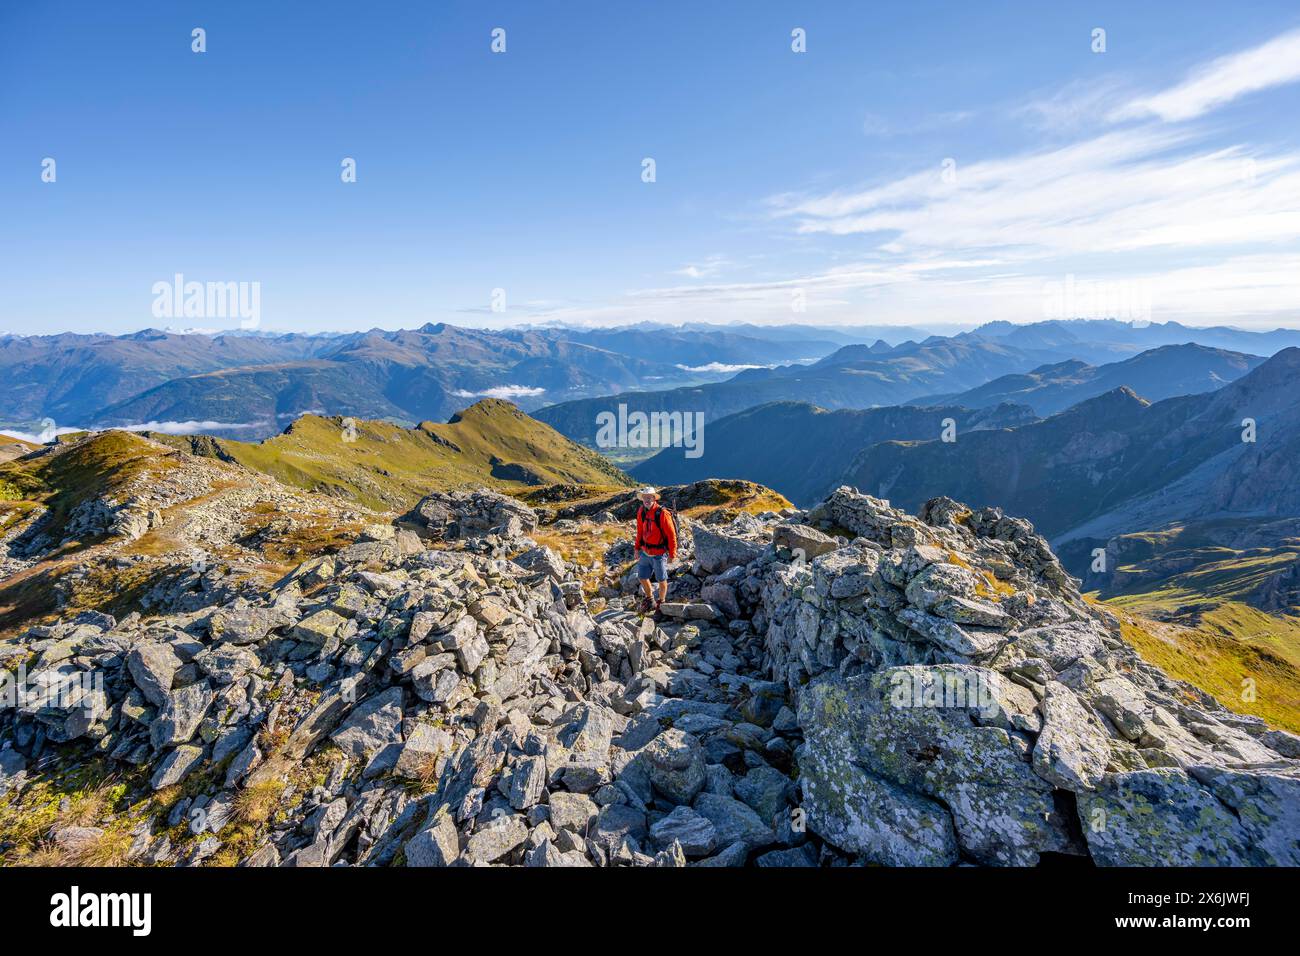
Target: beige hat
pixel 647 490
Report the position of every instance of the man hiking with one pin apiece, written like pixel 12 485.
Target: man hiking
pixel 656 545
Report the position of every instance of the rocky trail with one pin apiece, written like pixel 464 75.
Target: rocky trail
pixel 844 686
pixel 180 531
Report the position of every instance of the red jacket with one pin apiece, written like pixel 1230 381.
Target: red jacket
pixel 649 536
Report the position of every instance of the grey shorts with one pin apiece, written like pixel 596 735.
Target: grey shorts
pixel 656 564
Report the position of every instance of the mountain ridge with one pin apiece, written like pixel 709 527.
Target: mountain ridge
pixel 1161 372
pixel 803 450
pixel 491 443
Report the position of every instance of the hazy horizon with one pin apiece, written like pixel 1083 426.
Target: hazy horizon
pixel 930 328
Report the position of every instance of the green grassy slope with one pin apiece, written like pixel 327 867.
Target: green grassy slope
pixel 1248 660
pixel 380 465
pixel 1196 600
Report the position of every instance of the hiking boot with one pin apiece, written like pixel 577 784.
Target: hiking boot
pixel 647 606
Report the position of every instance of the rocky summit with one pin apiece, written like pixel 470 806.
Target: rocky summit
pixel 846 685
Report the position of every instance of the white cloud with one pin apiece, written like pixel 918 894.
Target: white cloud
pixel 719 368
pixel 703 270
pixel 1255 291
pixel 1274 63
pixel 189 428
pixel 503 391
pixel 165 428
pixel 38 439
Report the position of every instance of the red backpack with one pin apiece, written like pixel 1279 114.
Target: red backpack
pixel 654 520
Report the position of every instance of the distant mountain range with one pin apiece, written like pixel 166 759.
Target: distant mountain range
pixel 1117 463
pixel 1160 373
pixel 1099 341
pixel 1112 466
pixel 254 384
pixel 804 450
pixel 250 384
pixel 73 378
pixel 1037 364
pixel 856 376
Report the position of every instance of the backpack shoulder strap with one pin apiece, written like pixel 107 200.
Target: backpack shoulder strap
pixel 655 516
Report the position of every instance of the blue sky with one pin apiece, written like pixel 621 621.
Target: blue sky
pixel 929 163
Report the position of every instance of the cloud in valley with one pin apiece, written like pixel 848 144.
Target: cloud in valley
pixel 507 392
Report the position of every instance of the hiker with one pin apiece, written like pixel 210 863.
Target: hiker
pixel 656 545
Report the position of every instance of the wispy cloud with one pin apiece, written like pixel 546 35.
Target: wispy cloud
pixel 1255 290
pixel 1274 63
pixel 1080 105
pixel 1128 188
pixel 875 125
pixel 703 270
pixel 1201 221
pixel 1117 192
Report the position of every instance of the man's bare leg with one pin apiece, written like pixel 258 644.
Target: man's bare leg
pixel 663 591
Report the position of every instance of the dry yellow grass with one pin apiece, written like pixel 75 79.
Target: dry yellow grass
pixel 586 545
pixel 110 848
pixel 426 774
pixel 74 792
pixel 258 801
pixel 989 587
